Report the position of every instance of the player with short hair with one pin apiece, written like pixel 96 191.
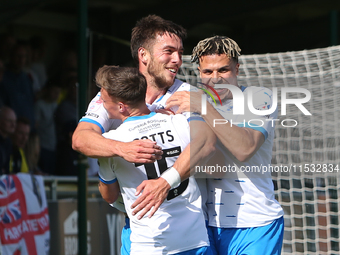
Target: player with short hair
pixel 178 226
pixel 244 216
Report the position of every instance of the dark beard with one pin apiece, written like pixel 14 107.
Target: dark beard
pixel 160 81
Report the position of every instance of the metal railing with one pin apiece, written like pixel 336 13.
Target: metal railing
pixel 59 187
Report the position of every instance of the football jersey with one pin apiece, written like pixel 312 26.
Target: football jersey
pixel 97 114
pixel 178 225
pixel 244 196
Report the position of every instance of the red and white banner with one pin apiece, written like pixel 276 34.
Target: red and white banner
pixel 24 220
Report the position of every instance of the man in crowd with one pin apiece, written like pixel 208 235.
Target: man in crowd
pixel 7 127
pixel 18 162
pixel 16 88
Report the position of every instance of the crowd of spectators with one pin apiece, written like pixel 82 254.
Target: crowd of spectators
pixel 38 111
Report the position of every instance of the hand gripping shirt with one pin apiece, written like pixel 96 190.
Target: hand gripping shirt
pixel 178 225
pixel 97 115
pixel 244 196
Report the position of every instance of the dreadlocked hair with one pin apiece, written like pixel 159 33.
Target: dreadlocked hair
pixel 216 45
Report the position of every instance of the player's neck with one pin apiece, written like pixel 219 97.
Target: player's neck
pixel 153 93
pixel 139 111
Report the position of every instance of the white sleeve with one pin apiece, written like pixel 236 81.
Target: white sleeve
pixel 262 100
pixel 193 89
pixel 119 204
pixel 181 123
pixel 106 173
pixel 97 115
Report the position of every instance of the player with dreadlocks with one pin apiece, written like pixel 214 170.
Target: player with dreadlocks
pixel 244 217
pixel 216 45
pixel 225 50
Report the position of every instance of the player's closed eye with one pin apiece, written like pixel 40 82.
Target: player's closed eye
pixel 223 70
pixel 207 72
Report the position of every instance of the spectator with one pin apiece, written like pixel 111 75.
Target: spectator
pixel 67 109
pixel 7 127
pixel 32 153
pixel 45 126
pixel 37 65
pixel 66 121
pixel 65 65
pixel 30 72
pixel 18 162
pixel 67 78
pixel 7 43
pixel 16 90
pixel 67 158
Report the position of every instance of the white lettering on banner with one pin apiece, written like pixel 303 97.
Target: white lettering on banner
pixel 26 224
pixel 111 221
pixel 43 222
pixel 33 225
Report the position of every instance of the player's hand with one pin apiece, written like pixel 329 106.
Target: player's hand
pixel 140 151
pixel 154 192
pixel 165 111
pixel 186 101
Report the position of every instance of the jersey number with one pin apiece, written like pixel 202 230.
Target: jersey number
pixel 162 166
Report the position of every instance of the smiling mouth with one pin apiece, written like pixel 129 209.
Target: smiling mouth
pixel 221 90
pixel 172 70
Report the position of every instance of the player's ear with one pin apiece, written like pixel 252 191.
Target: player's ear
pixel 143 55
pixel 122 107
pixel 237 68
pixel 199 69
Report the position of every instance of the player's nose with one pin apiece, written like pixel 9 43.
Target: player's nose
pixel 216 80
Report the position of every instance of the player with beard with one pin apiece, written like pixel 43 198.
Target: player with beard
pixel 157 48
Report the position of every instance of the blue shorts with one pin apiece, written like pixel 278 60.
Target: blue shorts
pixel 126 243
pixel 205 250
pixel 211 239
pixel 265 240
pixel 125 238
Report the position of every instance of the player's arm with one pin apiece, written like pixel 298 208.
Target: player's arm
pixel 154 192
pixel 242 142
pixel 88 139
pixel 108 184
pixel 109 191
pixel 202 143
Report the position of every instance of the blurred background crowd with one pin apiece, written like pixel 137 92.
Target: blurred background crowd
pixel 38 109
